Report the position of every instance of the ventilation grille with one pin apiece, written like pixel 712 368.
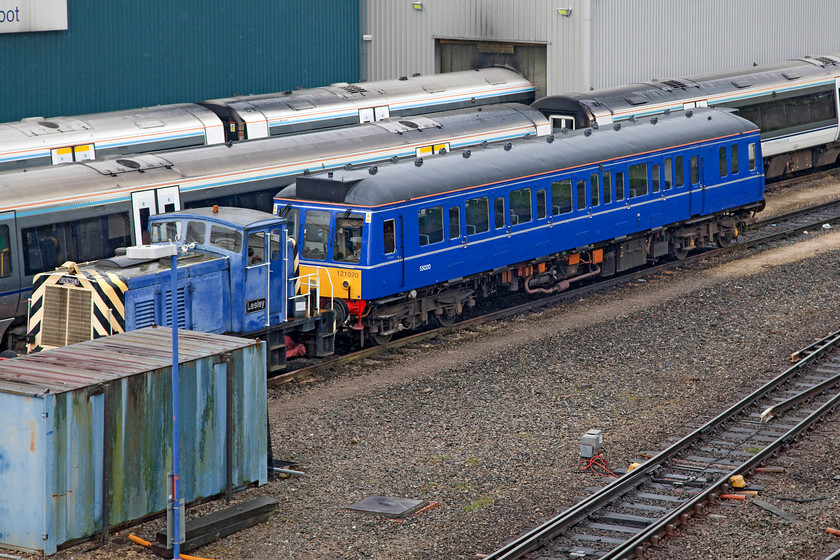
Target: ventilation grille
pixel 144 313
pixel 354 89
pixel 182 313
pixel 69 318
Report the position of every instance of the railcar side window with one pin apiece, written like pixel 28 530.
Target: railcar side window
pixel 607 187
pixel 695 170
pixel 226 238
pixel 751 155
pixel 347 245
pixel 118 234
pixel 389 236
pixel 722 160
pixel 5 252
pixel 430 224
pixel 669 174
pixel 619 185
pixel 477 213
pixel 638 180
pixel 655 177
pixel 561 197
pixel 678 166
pixel 520 206
pixel 580 190
pixel 541 204
pixel 454 222
pixel 316 235
pixel 734 150
pixel 595 185
pixel 499 212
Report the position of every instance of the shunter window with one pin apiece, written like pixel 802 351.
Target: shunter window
pixel 430 224
pixel 347 245
pixel 722 160
pixel 5 252
pixel 595 185
pixel 196 232
pixel 389 236
pixel 455 222
pixel 734 159
pixel 638 180
pixel 695 170
pixel 256 248
pixel 520 206
pixel 751 155
pixel 316 234
pixel 561 197
pixel 166 231
pixel 477 214
pixel 225 238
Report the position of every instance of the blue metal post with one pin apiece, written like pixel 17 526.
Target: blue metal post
pixel 176 439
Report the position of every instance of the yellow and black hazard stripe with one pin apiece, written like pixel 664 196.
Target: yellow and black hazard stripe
pixel 99 305
pixel 296 264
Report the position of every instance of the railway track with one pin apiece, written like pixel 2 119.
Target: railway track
pixel 761 233
pixel 646 505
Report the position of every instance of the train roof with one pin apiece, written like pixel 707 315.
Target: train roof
pixel 789 73
pixel 269 159
pixel 394 183
pixel 235 217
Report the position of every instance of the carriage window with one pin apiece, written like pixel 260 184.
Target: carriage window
pixel 256 248
pixel 499 212
pixel 619 185
pixel 678 166
pixel 722 160
pixel 669 174
pixel 5 252
pixel 454 222
pixel 695 170
pixel 541 205
pixel 430 222
pixel 118 234
pixel 734 159
pixel 751 154
pixel 477 215
pixel 561 197
pixel 607 187
pixel 520 206
pixel 389 236
pixel 638 180
pixel 595 185
pixel 347 246
pixel 654 177
pixel 581 194
pixel 225 238
pixel 316 234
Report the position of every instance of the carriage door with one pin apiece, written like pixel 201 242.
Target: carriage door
pixel 697 184
pixel 145 204
pixel 10 272
pixel 392 249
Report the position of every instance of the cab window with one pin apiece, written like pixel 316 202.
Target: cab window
pixel 292 216
pixel 316 235
pixel 224 238
pixel 256 248
pixel 196 232
pixel 347 246
pixel 166 231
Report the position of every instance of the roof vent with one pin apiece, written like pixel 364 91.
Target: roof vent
pixel 418 162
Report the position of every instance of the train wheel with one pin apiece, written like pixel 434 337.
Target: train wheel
pixel 445 319
pixel 380 339
pixel 723 239
pixel 678 252
pixel 342 312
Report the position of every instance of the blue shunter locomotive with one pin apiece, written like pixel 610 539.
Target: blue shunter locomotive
pixel 401 245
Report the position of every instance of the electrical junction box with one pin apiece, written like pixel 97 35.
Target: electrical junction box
pixel 590 444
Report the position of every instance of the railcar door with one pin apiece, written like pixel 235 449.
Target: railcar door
pixel 697 184
pixel 392 245
pixel 10 272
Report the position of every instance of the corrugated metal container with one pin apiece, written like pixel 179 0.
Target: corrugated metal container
pixel 601 43
pixel 121 55
pixel 87 431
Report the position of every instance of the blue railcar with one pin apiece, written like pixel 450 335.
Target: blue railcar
pixel 401 245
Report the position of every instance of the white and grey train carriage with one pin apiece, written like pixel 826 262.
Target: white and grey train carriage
pixel 38 141
pixel 794 103
pixel 86 210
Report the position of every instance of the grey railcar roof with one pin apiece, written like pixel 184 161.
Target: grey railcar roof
pixel 783 74
pixel 403 181
pixel 73 183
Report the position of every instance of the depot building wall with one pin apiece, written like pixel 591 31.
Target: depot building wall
pixel 120 55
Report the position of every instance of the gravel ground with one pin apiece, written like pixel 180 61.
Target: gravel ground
pixel 487 424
